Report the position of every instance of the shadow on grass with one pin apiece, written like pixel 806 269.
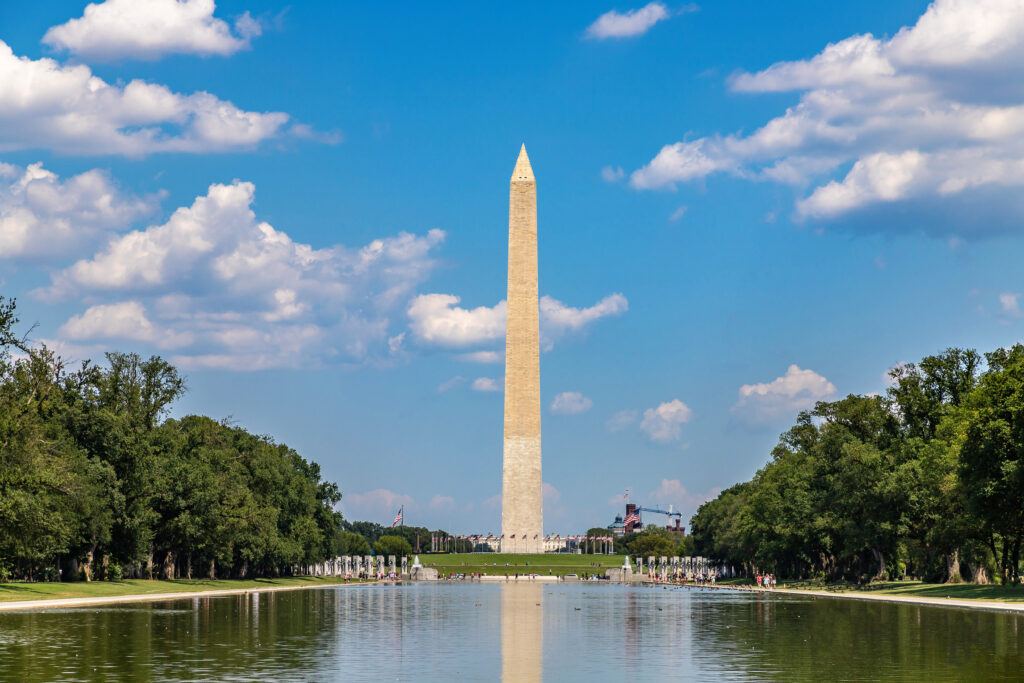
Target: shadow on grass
pixel 19 588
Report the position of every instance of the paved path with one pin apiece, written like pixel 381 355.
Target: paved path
pixel 888 597
pixel 153 597
pixel 158 597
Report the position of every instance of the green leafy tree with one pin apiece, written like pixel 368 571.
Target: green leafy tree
pixel 992 455
pixel 371 531
pixel 93 475
pixel 928 396
pixel 352 543
pixel 392 545
pixel 417 536
pixel 720 528
pixel 654 541
pixel 55 501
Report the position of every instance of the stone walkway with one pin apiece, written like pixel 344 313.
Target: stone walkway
pixel 54 603
pixel 887 597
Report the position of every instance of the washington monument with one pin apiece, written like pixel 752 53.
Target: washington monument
pixel 522 515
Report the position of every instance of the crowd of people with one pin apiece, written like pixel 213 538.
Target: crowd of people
pixel 698 578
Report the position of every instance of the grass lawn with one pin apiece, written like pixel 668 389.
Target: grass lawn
pixel 955 591
pixel 96 589
pixel 501 564
pixel 739 582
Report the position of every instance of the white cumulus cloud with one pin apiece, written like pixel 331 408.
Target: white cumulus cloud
pixel 612 174
pixel 673 492
pixel 558 319
pixel 485 384
pixel 1009 303
pixel 149 29
pixel 878 177
pixel 930 121
pixel 783 397
pixel 622 419
pixel 636 22
pixel 571 403
pixel 43 217
pixel 482 357
pixel 126 320
pixel 379 505
pixel 441 503
pixel 246 295
pixel 665 422
pixel 550 494
pixel 68 109
pixel 439 320
pixel 450 383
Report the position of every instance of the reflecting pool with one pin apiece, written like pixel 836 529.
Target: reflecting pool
pixel 511 632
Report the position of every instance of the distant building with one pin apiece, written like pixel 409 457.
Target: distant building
pixel 632 523
pixel 618 528
pixel 553 543
pixel 677 528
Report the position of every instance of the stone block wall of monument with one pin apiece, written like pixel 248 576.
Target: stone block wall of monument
pixel 522 523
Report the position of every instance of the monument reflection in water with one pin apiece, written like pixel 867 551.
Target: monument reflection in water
pixel 512 632
pixel 522 632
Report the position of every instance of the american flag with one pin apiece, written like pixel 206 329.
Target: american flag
pixel 399 517
pixel 632 518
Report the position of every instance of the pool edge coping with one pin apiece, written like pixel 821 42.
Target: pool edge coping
pixel 50 603
pixel 991 605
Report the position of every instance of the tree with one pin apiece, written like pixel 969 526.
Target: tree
pixel 352 543
pixel 720 529
pixel 924 393
pixel 992 455
pixel 654 541
pixel 780 514
pixel 142 390
pixel 928 396
pixel 371 531
pixel 9 339
pixel 92 471
pixel 392 545
pixel 55 501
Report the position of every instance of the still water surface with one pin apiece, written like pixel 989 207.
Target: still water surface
pixel 564 633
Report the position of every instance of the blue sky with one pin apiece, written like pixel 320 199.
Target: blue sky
pixel 744 207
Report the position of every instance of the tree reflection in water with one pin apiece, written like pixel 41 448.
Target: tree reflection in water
pixel 516 632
